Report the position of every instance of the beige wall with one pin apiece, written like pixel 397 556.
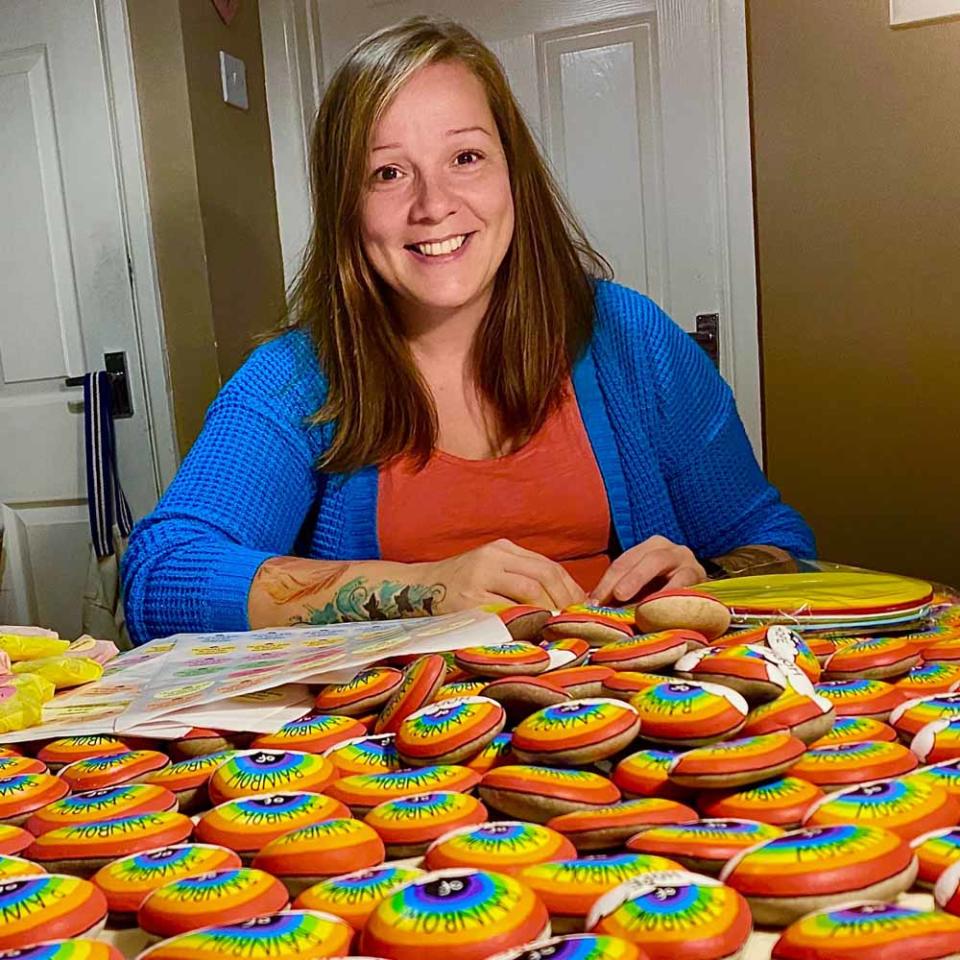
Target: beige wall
pixel 210 177
pixel 857 168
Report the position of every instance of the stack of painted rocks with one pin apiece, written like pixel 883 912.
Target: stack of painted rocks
pixel 608 785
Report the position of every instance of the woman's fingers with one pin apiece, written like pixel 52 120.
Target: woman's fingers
pixel 562 589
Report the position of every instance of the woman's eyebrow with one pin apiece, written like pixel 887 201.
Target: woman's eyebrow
pixel 453 133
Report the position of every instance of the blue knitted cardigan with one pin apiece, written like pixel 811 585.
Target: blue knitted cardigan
pixel 671 448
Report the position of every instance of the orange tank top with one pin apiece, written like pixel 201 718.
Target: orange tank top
pixel 548 496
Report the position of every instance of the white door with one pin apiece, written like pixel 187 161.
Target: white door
pixel 642 108
pixel 65 300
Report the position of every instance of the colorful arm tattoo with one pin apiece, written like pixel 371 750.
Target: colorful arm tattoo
pixel 389 600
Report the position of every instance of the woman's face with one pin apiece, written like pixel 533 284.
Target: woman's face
pixel 438 211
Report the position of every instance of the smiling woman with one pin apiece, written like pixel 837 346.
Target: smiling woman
pixel 462 408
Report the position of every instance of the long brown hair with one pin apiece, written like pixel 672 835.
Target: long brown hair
pixel 540 315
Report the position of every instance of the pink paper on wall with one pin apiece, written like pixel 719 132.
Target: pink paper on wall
pixel 227 9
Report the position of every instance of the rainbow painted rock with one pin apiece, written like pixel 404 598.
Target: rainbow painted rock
pixel 946 891
pixel 539 793
pixel 23 793
pixel 706 845
pixel 598 627
pixel 782 802
pixel 911 717
pixel 246 825
pixel 15 766
pixel 304 934
pixel 624 684
pixel 603 828
pixel 96 773
pixel 753 671
pixel 736 763
pixel 126 800
pixel 65 950
pixel 48 907
pixel 566 652
pixel 374 753
pixel 449 731
pixel 937 741
pixel 575 946
pixel 861 698
pixel 362 792
pixel 929 678
pixel 127 882
pixel 584 681
pixel 18 867
pixel 689 713
pixel 367 691
pixel 935 852
pixel 870 929
pixel 649 651
pixel 816 867
pixel 420 682
pixel 569 888
pixel 59 753
pixel 84 848
pixel 14 840
pixel 575 732
pixel 505 846
pixel 460 688
pixel 840 764
pixel 503 659
pixel 467 914
pixel 524 621
pixel 945 775
pixel 946 648
pixel 856 730
pixel 878 658
pixel 313 733
pixel 188 778
pixel 270 771
pixel 353 896
pixel 523 695
pixel 788 645
pixel 807 716
pixel 674 913
pixel 909 808
pixel 303 857
pixel 219 896
pixel 408 825
pixel 496 753
pixel 646 773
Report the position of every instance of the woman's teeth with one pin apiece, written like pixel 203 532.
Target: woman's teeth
pixel 438 249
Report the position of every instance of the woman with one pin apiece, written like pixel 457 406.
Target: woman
pixel 466 410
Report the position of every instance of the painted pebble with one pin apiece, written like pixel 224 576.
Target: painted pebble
pixel 807 716
pixel 911 717
pixel 374 753
pixel 449 731
pixel 788 645
pixel 856 730
pixel 247 824
pixel 408 825
pixel 782 802
pixel 649 651
pixel 362 792
pixel 838 765
pixel 929 678
pixel 946 891
pixel 14 840
pixel 300 934
pixel 576 732
pixel 353 896
pixel 674 914
pixel 938 741
pixel 624 684
pixel 78 949
pixel 24 793
pixel 576 946
pixel 596 627
pixel 753 671
pixel 646 773
pixel 524 621
pixel 313 733
pixel 879 658
pixel 268 771
pixel 503 659
pixel 201 741
pixel 817 867
pixel 935 852
pixel 95 773
pixel 18 867
pixel 49 907
pixel 85 848
pixel 496 753
pixel 460 688
pixel 682 712
pixel 861 698
pixel 127 800
pixel 946 775
pixel 59 753
pixel 736 763
pixel 604 828
pixel 908 808
pixel 683 609
pixel 369 690
pixel 585 681
pixel 467 914
pixel 870 929
pixel 505 846
pixel 421 680
pixel 15 766
pixel 187 779
pixel 521 696
pixel 569 888
pixel 127 882
pixel 218 896
pixel 568 652
pixel 305 856
pixel 704 846
pixel 539 793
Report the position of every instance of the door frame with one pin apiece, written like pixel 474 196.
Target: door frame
pixel 293 72
pixel 133 194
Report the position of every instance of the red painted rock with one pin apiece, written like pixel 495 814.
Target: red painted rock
pixel 24 793
pixel 648 651
pixel 313 733
pixel 420 682
pixel 49 907
pixel 841 764
pixel 270 771
pixel 362 792
pixel 604 828
pixel 96 773
pixel 369 690
pixel 782 802
pixel 126 800
pixel 538 793
pixel 505 846
pixel 409 825
pixel 736 763
pixel 449 731
pixel 685 713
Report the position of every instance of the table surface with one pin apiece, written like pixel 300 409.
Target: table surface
pixel 131 941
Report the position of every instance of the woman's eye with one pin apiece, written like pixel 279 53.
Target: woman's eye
pixel 386 174
pixel 467 157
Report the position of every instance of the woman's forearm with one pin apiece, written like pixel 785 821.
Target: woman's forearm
pixel 291 590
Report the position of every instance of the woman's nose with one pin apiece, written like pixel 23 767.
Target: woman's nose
pixel 432 201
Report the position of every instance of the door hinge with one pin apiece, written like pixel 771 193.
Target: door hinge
pixel 707 335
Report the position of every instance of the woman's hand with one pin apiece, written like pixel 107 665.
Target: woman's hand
pixel 655 564
pixel 502 572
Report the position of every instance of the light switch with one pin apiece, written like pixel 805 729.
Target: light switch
pixel 233 73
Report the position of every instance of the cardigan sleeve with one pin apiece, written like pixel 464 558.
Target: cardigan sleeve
pixel 719 493
pixel 240 497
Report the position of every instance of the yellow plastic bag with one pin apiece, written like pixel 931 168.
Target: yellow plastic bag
pixel 62 671
pixel 31 684
pixel 19 647
pixel 19 709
